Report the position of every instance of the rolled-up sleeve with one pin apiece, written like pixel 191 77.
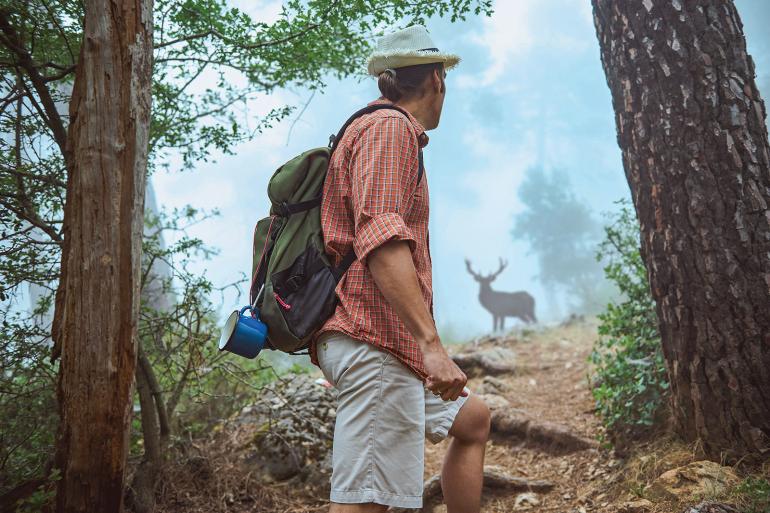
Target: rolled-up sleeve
pixel 383 167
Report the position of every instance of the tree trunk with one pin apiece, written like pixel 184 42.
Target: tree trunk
pixel 141 493
pixel 98 297
pixel 691 126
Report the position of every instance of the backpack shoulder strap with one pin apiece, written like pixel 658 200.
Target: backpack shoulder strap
pixel 335 140
pixel 348 259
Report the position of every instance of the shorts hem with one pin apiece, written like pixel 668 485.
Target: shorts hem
pixel 442 431
pixel 367 495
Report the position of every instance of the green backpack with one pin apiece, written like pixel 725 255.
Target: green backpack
pixel 293 282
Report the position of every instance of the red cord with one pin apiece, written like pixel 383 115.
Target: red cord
pixel 281 302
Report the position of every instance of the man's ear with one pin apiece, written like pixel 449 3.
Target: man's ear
pixel 438 81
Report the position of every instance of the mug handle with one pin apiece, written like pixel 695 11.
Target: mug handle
pixel 254 312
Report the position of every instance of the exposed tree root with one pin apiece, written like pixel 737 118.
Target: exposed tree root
pixel 495 479
pixel 547 436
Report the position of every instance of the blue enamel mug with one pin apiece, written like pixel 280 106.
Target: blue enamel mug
pixel 242 334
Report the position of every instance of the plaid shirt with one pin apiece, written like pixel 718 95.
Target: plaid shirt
pixel 371 196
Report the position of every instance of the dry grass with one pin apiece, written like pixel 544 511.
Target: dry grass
pixel 215 476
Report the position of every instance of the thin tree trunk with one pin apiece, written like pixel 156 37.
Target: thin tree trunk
pixel 691 126
pixel 98 299
pixel 157 396
pixel 142 492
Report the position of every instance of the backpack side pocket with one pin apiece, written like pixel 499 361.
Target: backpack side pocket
pixel 305 292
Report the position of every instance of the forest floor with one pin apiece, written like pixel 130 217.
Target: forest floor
pixel 550 383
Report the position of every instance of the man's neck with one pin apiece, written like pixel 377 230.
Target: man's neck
pixel 418 110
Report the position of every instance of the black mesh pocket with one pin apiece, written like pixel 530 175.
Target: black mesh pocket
pixel 305 293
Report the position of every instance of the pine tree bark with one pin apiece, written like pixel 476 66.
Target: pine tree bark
pixel 98 297
pixel 691 127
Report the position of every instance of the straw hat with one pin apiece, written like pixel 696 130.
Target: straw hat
pixel 407 47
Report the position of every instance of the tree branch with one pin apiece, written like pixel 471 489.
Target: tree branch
pixel 32 176
pixel 24 60
pixel 33 218
pixel 251 46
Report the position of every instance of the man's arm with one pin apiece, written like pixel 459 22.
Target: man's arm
pixel 393 271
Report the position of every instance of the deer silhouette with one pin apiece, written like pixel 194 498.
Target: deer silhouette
pixel 503 304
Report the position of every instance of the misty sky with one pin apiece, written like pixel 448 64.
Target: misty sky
pixel 530 91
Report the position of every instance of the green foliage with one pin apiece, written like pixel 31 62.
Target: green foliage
pixel 754 494
pixel 179 329
pixel 245 58
pixel 562 232
pixel 630 382
pixel 42 497
pixel 27 398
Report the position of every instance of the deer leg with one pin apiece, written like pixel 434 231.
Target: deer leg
pixel 502 323
pixel 494 323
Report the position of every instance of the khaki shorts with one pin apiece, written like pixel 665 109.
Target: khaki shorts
pixel 384 415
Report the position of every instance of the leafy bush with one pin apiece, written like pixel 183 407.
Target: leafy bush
pixel 630 381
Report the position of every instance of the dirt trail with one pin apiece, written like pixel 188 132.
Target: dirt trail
pixel 550 384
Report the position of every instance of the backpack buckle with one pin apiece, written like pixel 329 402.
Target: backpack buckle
pixel 332 138
pixel 283 209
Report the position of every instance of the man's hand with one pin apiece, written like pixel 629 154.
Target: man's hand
pixel 393 270
pixel 444 376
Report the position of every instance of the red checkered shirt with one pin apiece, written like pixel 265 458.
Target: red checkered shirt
pixel 371 196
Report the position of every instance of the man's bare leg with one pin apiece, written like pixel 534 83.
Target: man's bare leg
pixel 357 508
pixel 463 472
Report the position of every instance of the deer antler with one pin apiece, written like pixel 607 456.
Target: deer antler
pixel 503 265
pixel 468 266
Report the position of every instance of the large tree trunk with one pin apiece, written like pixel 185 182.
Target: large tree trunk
pixel 98 302
pixel 691 126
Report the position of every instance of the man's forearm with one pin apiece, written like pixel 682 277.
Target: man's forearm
pixel 393 271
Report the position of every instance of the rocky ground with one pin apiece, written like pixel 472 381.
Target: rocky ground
pixel 544 454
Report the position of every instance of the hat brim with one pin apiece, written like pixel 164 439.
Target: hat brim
pixel 380 61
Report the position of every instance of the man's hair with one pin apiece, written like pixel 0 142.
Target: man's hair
pixel 407 82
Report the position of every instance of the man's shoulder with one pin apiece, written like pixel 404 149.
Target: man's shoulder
pixel 385 122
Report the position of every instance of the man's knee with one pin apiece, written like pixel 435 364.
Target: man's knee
pixel 472 422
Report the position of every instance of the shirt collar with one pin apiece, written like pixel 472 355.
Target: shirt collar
pixel 422 137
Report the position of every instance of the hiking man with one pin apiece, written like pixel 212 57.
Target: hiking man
pixel 380 348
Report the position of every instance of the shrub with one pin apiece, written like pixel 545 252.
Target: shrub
pixel 630 384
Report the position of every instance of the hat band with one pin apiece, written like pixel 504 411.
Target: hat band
pixel 428 50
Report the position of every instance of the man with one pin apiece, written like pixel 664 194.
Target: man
pixel 380 348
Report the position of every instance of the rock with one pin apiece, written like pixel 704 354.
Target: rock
pixel 711 507
pixel 495 339
pixel 701 478
pixel 637 506
pixel 492 385
pixel 498 360
pixel 290 430
pixel 526 500
pixel 495 402
pixel 548 436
